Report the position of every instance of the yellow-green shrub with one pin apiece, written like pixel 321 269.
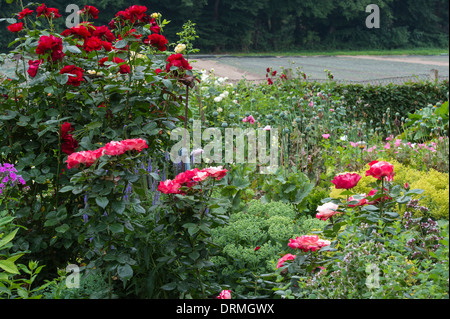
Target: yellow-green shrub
pixel 434 183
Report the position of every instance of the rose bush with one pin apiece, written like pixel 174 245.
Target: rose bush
pixel 71 97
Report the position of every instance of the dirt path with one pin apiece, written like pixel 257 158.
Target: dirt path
pixel 223 70
pixel 405 59
pixel 235 74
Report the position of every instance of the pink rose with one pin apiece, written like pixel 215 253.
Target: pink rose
pixel 115 148
pixel 169 187
pixel 346 180
pixel 308 243
pixel 216 172
pixel 84 157
pixel 285 258
pixel 361 202
pixel 326 136
pixel 381 169
pixel 327 210
pixel 224 294
pixel 137 144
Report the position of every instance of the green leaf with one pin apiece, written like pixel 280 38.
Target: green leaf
pixel 6 220
pixel 8 266
pixel 116 228
pixel 118 207
pixel 102 201
pixel 125 272
pixel 121 44
pixel 62 229
pixel 8 238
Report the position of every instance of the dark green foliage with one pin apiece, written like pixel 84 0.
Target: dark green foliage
pixel 242 26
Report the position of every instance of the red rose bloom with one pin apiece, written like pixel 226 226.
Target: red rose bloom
pixel 93 44
pixel 179 61
pixel 33 67
pixel 154 27
pixel 68 144
pixel 269 81
pixel 308 243
pixel 157 40
pixel 80 32
pixel 42 10
pixel 346 180
pixel 133 14
pixel 25 12
pixel 50 44
pixel 90 10
pixel 74 70
pixel 104 33
pixel 123 68
pixel 15 27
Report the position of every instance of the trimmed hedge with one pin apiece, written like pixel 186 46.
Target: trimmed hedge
pixel 372 101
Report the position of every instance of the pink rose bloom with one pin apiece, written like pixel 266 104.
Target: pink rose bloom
pixel 137 144
pixel 283 259
pixel 169 187
pixel 201 176
pixel 326 136
pixel 346 180
pixel 361 202
pixel 84 157
pixel 327 210
pixel 115 148
pixel 380 170
pixel 224 294
pixel 215 172
pixel 308 243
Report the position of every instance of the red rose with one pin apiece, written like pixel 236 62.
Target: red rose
pixel 158 71
pixel 66 128
pixel 68 144
pixel 50 44
pixel 24 13
pixel 42 10
pixel 93 44
pixel 360 202
pixel 380 170
pixel 346 180
pixel 157 40
pixel 187 177
pixel 104 33
pixel 133 14
pixel 74 70
pixel 33 67
pixel 123 68
pixel 154 27
pixel 80 32
pixel 179 61
pixel 15 27
pixel 90 10
pixel 269 81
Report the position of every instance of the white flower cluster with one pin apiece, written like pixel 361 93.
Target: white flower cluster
pixel 223 95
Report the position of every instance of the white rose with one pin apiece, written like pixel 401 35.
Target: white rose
pixel 180 48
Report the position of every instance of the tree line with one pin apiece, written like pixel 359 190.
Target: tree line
pixel 282 25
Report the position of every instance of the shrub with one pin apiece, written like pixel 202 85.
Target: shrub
pixel 435 184
pixel 253 239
